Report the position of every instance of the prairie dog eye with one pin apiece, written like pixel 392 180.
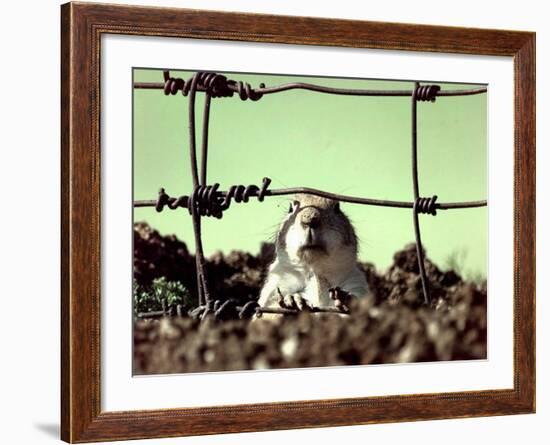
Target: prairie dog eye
pixel 337 207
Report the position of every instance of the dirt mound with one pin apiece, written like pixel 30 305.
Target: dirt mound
pixel 399 328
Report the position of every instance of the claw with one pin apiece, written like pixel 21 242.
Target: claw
pixel 289 302
pixel 281 299
pixel 293 301
pixel 302 303
pixel 342 298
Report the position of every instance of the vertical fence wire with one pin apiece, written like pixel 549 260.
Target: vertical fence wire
pixel 205 132
pixel 416 190
pixel 202 288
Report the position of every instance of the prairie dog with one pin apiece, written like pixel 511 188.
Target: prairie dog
pixel 315 252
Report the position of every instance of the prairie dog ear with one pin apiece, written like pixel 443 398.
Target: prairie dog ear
pixel 293 205
pixel 337 207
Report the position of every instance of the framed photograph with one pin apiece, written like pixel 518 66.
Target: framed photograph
pixel 274 222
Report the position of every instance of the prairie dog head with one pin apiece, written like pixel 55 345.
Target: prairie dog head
pixel 316 232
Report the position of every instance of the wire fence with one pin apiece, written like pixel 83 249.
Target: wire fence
pixel 209 201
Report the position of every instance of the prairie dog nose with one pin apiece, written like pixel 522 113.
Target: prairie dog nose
pixel 310 218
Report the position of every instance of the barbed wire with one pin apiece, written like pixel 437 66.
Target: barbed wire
pixel 208 200
pixel 236 311
pixel 226 88
pixel 206 195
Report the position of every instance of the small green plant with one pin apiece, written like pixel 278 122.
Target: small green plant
pixel 161 295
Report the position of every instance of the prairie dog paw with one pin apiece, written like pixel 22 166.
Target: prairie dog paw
pixel 342 299
pixel 294 301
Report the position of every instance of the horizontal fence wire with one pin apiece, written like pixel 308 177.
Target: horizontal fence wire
pixel 326 90
pixel 208 200
pixel 259 311
pixel 182 201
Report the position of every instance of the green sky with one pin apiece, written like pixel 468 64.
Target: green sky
pixel 352 145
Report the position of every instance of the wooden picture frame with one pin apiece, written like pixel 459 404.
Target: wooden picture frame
pixel 82 26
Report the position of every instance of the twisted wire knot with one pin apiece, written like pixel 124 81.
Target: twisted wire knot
pixel 426 93
pixel 172 85
pixel 172 203
pixel 249 309
pixel 245 91
pixel 217 85
pixel 240 193
pixel 426 205
pixel 207 200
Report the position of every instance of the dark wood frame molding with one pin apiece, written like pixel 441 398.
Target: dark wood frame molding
pixel 82 25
